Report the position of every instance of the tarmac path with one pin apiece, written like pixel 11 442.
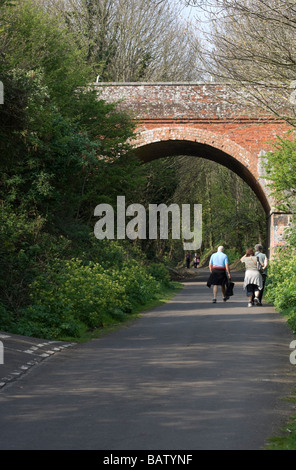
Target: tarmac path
pixel 187 375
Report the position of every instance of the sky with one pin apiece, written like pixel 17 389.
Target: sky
pixel 190 13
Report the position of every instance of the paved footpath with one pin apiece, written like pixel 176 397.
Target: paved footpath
pixel 187 375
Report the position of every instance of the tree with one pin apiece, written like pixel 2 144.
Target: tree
pixel 232 215
pixel 280 167
pixel 31 40
pixel 252 43
pixel 131 41
pixel 60 152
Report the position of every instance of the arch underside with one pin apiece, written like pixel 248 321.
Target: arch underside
pixel 166 148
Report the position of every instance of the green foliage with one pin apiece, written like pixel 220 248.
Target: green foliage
pixel 281 284
pixel 23 94
pixel 36 41
pixel 280 167
pixel 232 215
pixel 63 151
pixel 71 296
pixel 58 168
pixel 286 441
pixel 160 273
pixel 5 319
pixel 287 438
pixel 25 248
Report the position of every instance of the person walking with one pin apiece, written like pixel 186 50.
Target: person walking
pixel 196 261
pixel 219 269
pixel 187 259
pixel 253 280
pixel 263 260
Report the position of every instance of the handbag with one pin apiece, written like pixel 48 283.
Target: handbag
pixel 229 289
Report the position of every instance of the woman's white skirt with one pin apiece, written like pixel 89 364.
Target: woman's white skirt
pixel 252 276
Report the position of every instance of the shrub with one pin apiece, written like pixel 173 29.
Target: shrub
pixel 71 296
pixel 5 318
pixel 281 284
pixel 71 290
pixel 140 286
pixel 160 273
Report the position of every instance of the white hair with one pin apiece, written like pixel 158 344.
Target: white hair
pixel 220 248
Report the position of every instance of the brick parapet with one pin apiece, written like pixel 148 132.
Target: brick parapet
pixel 189 100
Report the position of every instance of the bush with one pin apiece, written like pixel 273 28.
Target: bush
pixel 281 284
pixel 160 273
pixel 140 286
pixel 71 296
pixel 71 292
pixel 5 318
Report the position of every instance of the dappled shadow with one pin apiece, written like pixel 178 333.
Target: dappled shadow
pixel 186 375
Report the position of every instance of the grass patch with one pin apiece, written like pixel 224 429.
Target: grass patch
pixel 287 440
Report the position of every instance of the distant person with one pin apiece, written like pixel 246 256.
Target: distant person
pixel 219 269
pixel 196 261
pixel 263 260
pixel 253 280
pixel 187 259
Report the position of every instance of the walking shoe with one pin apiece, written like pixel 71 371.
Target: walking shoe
pixel 256 301
pixel 214 301
pixel 250 304
pixel 225 298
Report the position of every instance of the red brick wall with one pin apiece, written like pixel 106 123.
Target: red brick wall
pixel 206 106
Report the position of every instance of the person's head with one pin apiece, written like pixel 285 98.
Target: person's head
pixel 250 252
pixel 258 247
pixel 220 248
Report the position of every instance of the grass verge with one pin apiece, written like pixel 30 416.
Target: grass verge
pixel 287 440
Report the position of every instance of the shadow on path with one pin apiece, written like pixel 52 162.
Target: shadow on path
pixel 187 375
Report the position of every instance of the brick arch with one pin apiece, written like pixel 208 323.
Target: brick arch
pixel 211 120
pixel 172 141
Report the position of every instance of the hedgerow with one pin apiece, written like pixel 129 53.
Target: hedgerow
pixel 71 296
pixel 281 284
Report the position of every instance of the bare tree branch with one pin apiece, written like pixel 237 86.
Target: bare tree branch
pixel 252 42
pixel 138 40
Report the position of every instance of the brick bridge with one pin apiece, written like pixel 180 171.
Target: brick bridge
pixel 207 120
